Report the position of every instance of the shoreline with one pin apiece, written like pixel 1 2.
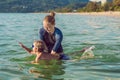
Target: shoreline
pixel 108 13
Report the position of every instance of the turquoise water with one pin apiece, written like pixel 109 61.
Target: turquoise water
pixel 79 31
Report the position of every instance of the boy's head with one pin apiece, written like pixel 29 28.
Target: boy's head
pixel 38 46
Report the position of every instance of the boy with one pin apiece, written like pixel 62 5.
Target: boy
pixel 39 48
pixel 39 51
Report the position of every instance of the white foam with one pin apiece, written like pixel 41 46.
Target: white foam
pixel 88 53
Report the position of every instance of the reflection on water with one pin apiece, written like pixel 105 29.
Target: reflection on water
pixel 48 71
pixel 79 32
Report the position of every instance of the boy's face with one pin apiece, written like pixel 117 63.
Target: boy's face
pixel 48 27
pixel 34 48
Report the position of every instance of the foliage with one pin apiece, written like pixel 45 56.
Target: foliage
pixel 91 6
pixel 116 5
pixel 116 2
pixel 96 6
pixel 36 5
pixel 71 7
pixel 57 5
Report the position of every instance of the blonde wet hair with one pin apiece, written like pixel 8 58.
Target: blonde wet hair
pixel 50 18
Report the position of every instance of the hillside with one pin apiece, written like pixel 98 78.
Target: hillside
pixel 38 5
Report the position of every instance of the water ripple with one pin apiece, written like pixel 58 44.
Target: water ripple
pixel 79 31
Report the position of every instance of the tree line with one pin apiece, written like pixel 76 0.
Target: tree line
pixel 91 6
pixel 26 6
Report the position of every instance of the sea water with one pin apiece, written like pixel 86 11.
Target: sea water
pixel 79 31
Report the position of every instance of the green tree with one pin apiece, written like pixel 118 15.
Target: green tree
pixel 116 2
pixel 116 5
pixel 91 6
pixel 106 7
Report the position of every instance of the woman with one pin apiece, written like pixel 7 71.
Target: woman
pixel 52 36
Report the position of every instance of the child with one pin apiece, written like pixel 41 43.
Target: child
pixel 39 48
pixel 39 51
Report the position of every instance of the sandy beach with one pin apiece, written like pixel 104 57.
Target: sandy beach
pixel 109 13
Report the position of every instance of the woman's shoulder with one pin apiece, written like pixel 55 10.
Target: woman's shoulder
pixel 42 30
pixel 57 29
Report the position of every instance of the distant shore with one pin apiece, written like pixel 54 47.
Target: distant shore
pixel 109 13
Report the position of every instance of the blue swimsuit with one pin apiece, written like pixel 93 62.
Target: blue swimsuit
pixel 53 41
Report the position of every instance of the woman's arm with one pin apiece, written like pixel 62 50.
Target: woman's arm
pixel 25 48
pixel 41 34
pixel 58 37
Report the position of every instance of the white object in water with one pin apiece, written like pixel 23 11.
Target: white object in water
pixel 88 53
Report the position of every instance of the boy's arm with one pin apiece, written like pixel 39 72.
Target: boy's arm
pixel 38 57
pixel 25 48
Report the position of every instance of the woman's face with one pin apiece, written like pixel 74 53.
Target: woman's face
pixel 48 27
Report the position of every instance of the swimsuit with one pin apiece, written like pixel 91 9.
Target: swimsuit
pixel 52 41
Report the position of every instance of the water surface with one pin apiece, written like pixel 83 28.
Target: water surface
pixel 79 31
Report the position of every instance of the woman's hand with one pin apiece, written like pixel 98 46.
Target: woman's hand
pixel 54 53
